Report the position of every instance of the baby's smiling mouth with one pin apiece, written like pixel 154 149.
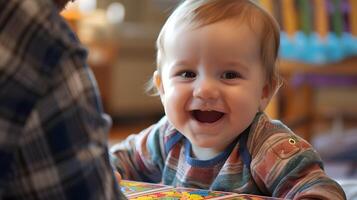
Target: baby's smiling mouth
pixel 207 116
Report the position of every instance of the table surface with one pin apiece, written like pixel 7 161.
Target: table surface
pixel 148 191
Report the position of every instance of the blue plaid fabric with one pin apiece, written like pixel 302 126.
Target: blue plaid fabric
pixel 53 133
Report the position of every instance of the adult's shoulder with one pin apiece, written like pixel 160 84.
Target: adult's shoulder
pixel 35 35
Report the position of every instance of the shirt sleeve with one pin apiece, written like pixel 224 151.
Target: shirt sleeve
pixel 141 156
pixel 287 166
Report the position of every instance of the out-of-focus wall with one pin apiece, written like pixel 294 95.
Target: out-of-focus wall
pixel 122 77
pixel 134 66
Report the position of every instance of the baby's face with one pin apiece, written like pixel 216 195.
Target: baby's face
pixel 212 83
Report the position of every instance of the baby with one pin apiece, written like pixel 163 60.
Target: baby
pixel 216 73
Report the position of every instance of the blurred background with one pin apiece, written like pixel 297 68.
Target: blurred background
pixel 318 61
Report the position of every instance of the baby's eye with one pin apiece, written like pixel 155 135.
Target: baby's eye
pixel 230 75
pixel 187 74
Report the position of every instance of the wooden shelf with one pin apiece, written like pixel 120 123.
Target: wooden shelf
pixel 297 106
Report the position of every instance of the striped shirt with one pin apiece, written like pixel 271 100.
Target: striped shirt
pixel 266 159
pixel 53 133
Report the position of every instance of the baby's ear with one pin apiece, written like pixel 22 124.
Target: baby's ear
pixel 267 94
pixel 158 82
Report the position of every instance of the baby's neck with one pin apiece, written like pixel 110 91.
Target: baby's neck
pixel 204 153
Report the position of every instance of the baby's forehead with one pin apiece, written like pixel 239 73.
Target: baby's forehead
pixel 254 21
pixel 228 32
pixel 219 41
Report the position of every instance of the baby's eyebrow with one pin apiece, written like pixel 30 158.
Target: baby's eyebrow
pixel 179 63
pixel 235 64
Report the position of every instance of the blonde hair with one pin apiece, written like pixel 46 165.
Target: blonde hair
pixel 199 13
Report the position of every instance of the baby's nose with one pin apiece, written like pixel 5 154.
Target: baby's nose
pixel 206 89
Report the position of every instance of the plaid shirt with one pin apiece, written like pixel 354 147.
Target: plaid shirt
pixel 53 133
pixel 266 159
